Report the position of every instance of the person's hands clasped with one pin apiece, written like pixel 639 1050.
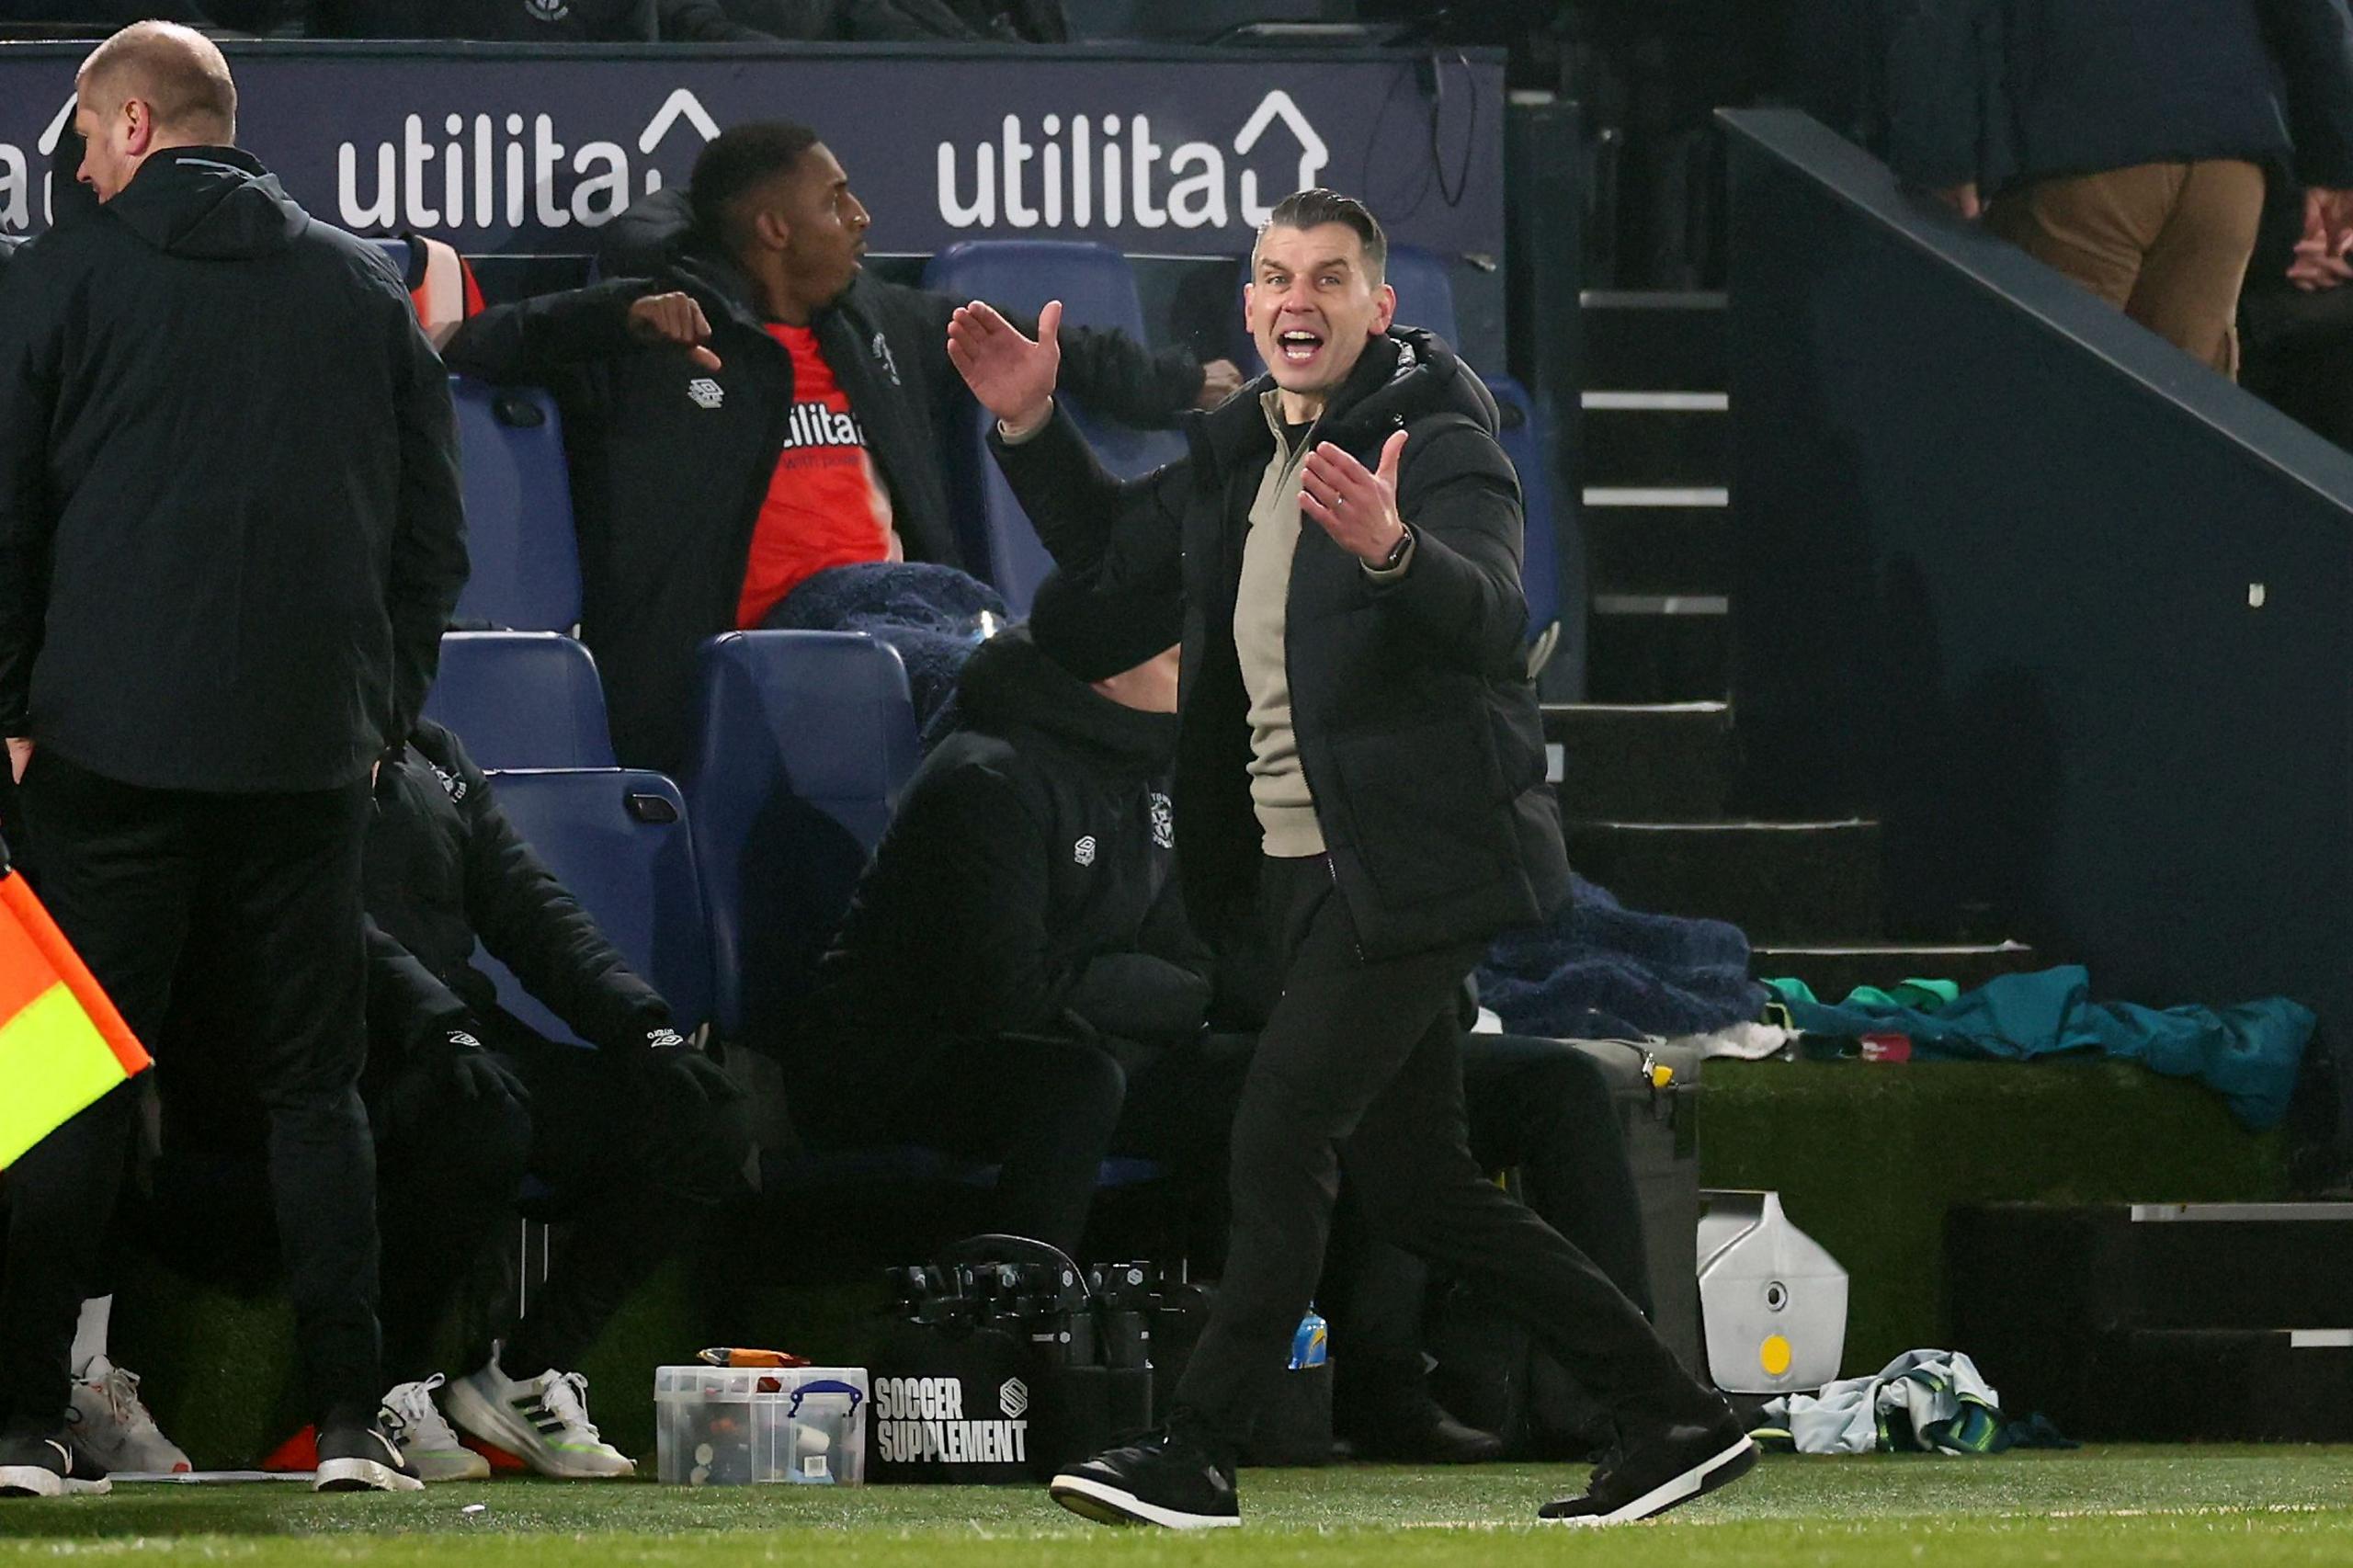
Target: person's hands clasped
pixel 480 1075
pixel 673 318
pixel 675 1070
pixel 1011 376
pixel 1356 506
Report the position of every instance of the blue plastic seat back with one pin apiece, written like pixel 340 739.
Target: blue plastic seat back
pixel 620 841
pixel 803 741
pixel 404 257
pixel 1098 289
pixel 1528 445
pixel 522 699
pixel 520 536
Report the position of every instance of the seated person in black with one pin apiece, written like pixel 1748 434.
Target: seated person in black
pixel 1016 967
pixel 636 1140
pixel 756 427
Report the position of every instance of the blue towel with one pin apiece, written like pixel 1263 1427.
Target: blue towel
pixel 2249 1055
pixel 931 614
pixel 1600 971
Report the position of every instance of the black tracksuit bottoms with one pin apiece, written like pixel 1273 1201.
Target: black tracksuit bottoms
pixel 1359 1067
pixel 128 873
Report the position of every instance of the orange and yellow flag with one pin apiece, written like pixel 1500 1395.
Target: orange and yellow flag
pixel 61 1043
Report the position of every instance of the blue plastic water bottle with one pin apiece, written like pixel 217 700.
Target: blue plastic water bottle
pixel 1311 1346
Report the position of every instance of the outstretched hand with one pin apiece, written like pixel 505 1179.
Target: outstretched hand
pixel 1356 506
pixel 1012 377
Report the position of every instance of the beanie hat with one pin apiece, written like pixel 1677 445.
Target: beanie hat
pixel 1096 635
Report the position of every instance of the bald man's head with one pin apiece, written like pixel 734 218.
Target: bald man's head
pixel 151 85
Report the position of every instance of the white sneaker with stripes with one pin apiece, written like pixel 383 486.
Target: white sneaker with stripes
pixel 425 1440
pixel 543 1420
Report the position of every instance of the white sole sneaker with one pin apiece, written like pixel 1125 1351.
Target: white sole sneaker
pixel 440 1465
pixel 464 1404
pixel 1716 1471
pixel 362 1475
pixel 1107 1505
pixel 37 1481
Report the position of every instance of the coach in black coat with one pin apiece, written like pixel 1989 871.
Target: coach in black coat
pixel 1359 756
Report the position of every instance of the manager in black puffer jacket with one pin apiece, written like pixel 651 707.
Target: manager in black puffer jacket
pixel 689 394
pixel 2124 141
pixel 1359 752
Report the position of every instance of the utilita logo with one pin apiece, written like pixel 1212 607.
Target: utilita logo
pixel 17 182
pixel 489 171
pixel 1099 167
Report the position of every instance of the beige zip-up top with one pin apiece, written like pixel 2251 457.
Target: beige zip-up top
pixel 1278 783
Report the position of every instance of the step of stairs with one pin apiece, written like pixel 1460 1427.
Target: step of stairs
pixel 1669 761
pixel 1779 881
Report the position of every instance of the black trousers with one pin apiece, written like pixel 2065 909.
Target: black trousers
pixel 1047 1111
pixel 1537 1106
pixel 1359 1067
pixel 129 873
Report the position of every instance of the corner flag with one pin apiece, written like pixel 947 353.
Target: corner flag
pixel 61 1043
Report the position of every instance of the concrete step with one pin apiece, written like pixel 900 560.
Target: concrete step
pixel 1834 970
pixel 1672 761
pixel 1685 442
pixel 1785 884
pixel 1653 342
pixel 1653 648
pixel 1659 550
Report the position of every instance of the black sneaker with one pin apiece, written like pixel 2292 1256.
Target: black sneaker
pixel 1659 1473
pixel 354 1457
pixel 36 1466
pixel 1166 1479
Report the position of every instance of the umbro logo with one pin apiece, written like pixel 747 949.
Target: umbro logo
pixel 888 360
pixel 1164 821
pixel 451 785
pixel 548 10
pixel 706 392
pixel 1083 850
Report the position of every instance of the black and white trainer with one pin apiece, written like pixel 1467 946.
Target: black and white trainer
pixel 1167 1479
pixel 362 1457
pixel 1659 1472
pixel 34 1465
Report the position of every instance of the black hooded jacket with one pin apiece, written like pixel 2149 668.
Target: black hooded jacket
pixel 1418 726
pixel 230 526
pixel 670 463
pixel 444 867
pixel 1024 885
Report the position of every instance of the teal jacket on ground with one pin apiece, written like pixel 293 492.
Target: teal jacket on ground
pixel 2248 1054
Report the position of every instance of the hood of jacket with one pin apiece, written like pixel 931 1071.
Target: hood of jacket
pixel 211 203
pixel 1008 684
pixel 1408 374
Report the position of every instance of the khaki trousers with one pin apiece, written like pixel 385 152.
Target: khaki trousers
pixel 2167 244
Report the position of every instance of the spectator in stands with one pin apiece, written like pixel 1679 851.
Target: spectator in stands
pixel 755 427
pixel 2124 143
pixel 193 708
pixel 639 1139
pixel 1366 768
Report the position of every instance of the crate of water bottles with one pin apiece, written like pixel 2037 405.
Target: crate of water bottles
pixel 752 1426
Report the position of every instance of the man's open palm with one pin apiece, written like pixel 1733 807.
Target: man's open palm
pixel 1012 377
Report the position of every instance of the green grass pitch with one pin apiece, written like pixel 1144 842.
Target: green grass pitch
pixel 2246 1508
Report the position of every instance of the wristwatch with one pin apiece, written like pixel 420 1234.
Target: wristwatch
pixel 1396 556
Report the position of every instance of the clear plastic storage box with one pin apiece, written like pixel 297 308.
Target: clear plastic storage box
pixel 746 1426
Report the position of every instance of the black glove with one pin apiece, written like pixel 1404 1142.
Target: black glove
pixel 681 1073
pixel 478 1075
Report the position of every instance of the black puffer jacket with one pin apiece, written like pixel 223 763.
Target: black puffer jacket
pixel 230 532
pixel 1024 886
pixel 1416 725
pixel 444 867
pixel 670 463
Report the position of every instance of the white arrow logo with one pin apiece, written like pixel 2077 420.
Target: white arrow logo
pixel 680 105
pixel 49 139
pixel 1312 153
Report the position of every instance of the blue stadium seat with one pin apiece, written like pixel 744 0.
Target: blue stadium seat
pixel 803 741
pixel 403 256
pixel 522 699
pixel 519 510
pixel 1551 537
pixel 1425 291
pixel 1098 289
pixel 620 840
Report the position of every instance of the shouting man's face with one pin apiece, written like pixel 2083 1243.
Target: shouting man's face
pixel 1313 304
